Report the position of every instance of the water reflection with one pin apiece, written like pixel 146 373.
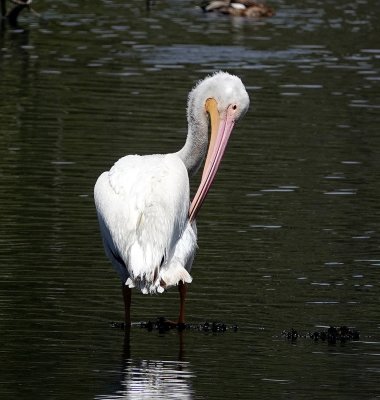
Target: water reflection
pixel 152 379
pixel 244 57
pixel 289 237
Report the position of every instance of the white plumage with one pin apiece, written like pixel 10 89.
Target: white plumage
pixel 143 202
pixel 143 205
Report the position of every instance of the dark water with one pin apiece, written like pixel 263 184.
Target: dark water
pixel 288 237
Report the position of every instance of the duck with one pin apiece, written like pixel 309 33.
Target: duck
pixel 242 8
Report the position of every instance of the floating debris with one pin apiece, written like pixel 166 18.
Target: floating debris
pixel 332 335
pixel 162 325
pixel 290 335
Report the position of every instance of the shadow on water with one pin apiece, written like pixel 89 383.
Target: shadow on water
pixel 151 379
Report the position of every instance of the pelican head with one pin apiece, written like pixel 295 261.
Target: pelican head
pixel 222 90
pixel 225 100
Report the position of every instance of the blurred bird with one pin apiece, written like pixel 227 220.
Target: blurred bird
pixel 245 8
pixel 13 13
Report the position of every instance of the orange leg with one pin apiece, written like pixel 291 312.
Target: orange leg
pixel 182 288
pixel 127 296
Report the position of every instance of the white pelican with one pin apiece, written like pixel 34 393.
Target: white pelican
pixel 148 229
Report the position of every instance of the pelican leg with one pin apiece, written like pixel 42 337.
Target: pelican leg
pixel 127 296
pixel 182 289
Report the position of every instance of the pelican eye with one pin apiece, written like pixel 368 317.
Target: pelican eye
pixel 234 107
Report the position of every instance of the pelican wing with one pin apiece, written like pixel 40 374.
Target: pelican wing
pixel 142 204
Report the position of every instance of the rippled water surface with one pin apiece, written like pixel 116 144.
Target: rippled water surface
pixel 289 236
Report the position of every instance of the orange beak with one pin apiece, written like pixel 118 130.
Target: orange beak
pixel 221 129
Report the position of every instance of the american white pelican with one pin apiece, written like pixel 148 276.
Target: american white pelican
pixel 148 229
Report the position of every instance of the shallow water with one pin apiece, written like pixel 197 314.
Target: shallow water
pixel 288 237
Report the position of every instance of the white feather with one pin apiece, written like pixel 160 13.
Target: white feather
pixel 238 6
pixel 143 204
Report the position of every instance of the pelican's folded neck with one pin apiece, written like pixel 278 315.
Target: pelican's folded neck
pixel 194 151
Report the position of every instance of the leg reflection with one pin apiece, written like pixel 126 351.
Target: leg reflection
pixel 152 377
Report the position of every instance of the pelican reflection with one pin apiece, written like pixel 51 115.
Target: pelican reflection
pixel 152 378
